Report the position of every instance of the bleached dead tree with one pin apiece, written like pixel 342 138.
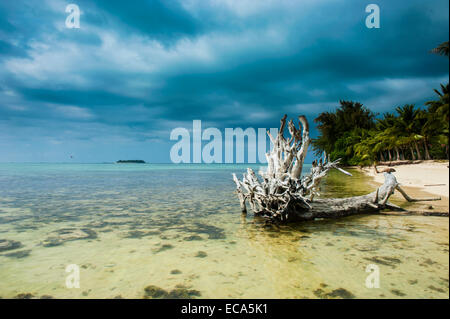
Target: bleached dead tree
pixel 282 194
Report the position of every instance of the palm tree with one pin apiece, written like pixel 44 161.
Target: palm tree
pixel 429 128
pixel 384 127
pixel 438 116
pixel 339 130
pixel 408 128
pixel 441 49
pixel 440 106
pixel 326 124
pixel 352 134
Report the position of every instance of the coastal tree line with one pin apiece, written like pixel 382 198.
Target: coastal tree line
pixel 361 137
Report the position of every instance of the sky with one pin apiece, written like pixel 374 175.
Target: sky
pixel 134 71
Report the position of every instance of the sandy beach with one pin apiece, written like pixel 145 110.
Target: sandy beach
pixel 430 176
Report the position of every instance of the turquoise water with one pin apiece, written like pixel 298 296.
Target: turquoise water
pixel 179 228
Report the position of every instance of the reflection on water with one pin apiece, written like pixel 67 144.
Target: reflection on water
pixel 166 231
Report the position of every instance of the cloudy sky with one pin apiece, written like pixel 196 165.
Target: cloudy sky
pixel 135 70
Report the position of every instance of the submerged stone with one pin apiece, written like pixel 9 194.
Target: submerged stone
pixel 153 232
pixel 387 261
pixel 155 292
pixel 193 237
pixel 398 292
pixel 60 236
pixel 220 235
pixel 201 254
pixel 24 296
pixel 318 293
pixel 97 224
pixel 366 247
pixel 163 248
pixel 175 272
pixel 135 234
pixel 436 289
pixel 6 244
pixel 18 254
pixel 213 232
pixel 182 286
pixel 428 262
pixel 182 293
pixel 51 242
pixel 337 293
pixel 26 227
pixel 340 292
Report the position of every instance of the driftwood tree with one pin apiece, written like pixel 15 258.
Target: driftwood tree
pixel 282 194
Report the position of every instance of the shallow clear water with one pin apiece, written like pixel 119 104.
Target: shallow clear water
pixel 130 226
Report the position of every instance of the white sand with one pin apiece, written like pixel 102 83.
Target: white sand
pixel 421 175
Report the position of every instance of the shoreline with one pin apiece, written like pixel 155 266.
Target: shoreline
pixel 428 176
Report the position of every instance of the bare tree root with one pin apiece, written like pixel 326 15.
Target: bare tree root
pixel 282 194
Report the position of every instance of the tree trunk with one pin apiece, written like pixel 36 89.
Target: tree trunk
pixel 382 156
pixel 339 207
pixel 281 195
pixel 419 156
pixel 365 204
pixel 427 153
pixel 413 157
pixel 397 153
pixel 390 156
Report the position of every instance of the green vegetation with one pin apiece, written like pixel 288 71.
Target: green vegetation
pixel 359 137
pixel 130 162
pixel 441 49
pixel 354 134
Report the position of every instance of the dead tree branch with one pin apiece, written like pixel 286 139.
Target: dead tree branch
pixel 281 193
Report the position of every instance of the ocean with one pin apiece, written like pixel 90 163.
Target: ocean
pixel 133 229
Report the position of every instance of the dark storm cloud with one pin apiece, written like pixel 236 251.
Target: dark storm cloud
pixel 160 19
pixel 76 97
pixel 137 70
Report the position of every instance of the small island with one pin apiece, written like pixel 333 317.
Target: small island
pixel 131 162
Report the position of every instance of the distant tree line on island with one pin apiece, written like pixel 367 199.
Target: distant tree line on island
pixel 131 162
pixel 357 136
